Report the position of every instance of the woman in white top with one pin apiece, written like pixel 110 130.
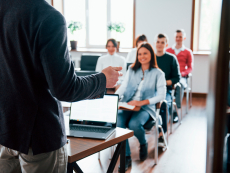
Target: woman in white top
pixel 144 86
pixel 111 59
pixel 131 57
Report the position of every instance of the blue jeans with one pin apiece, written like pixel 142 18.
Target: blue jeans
pixel 163 110
pixel 184 85
pixel 134 121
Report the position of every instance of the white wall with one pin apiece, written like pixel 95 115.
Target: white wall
pixel 200 78
pixel 163 16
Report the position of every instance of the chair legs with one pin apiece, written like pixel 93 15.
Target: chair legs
pixel 167 115
pixel 156 136
pixel 165 142
pixel 187 99
pixel 171 115
pixel 189 94
pixel 179 115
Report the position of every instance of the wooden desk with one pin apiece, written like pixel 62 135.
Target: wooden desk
pixel 79 148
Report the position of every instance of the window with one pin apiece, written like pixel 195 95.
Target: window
pixel 95 15
pixel 202 25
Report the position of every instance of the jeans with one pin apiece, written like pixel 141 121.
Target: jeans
pixel 134 121
pixel 163 110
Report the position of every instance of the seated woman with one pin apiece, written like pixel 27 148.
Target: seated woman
pixel 111 59
pixel 144 85
pixel 131 57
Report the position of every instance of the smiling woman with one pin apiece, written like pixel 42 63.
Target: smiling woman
pixel 146 58
pixel 144 85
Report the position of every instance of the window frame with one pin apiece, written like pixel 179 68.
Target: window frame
pixel 87 45
pixel 196 27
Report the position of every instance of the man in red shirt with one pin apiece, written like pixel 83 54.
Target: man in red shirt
pixel 185 58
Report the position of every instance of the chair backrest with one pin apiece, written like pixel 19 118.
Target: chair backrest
pixel 85 73
pixel 89 61
pixel 151 122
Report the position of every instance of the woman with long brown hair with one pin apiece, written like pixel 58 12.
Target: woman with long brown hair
pixel 144 85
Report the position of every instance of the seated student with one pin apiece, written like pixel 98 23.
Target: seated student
pixel 131 57
pixel 168 63
pixel 184 56
pixel 144 85
pixel 111 59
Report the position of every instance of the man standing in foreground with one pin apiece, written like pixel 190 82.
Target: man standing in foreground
pixel 35 73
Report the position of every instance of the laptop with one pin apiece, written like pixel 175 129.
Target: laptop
pixel 96 118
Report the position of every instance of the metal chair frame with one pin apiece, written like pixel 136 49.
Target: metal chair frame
pixel 189 92
pixel 156 126
pixel 173 104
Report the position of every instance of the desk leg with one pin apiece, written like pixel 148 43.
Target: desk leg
pixel 120 150
pixel 122 157
pixel 73 166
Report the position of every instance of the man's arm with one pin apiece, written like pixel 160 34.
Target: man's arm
pixel 189 64
pixel 57 66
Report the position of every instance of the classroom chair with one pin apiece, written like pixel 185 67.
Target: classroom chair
pixel 176 87
pixel 149 125
pixel 89 61
pixel 189 92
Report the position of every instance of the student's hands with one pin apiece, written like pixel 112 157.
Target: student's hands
pixel 183 74
pixel 111 74
pixel 168 82
pixel 138 103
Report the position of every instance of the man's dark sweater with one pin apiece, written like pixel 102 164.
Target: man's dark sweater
pixel 169 65
pixel 36 72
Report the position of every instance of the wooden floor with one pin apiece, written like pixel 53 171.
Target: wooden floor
pixel 186 153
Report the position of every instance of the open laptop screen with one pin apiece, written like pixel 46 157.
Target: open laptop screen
pixel 95 110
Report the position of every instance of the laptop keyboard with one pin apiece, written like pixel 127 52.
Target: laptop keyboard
pixel 89 129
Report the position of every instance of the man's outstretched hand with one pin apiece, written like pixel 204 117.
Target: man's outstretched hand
pixel 111 74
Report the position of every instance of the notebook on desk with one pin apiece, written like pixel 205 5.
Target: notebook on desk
pixel 96 118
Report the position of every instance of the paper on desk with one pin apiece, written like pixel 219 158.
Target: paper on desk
pixel 125 105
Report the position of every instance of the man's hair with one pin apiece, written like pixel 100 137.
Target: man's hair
pixel 113 41
pixel 141 38
pixel 181 31
pixel 162 36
